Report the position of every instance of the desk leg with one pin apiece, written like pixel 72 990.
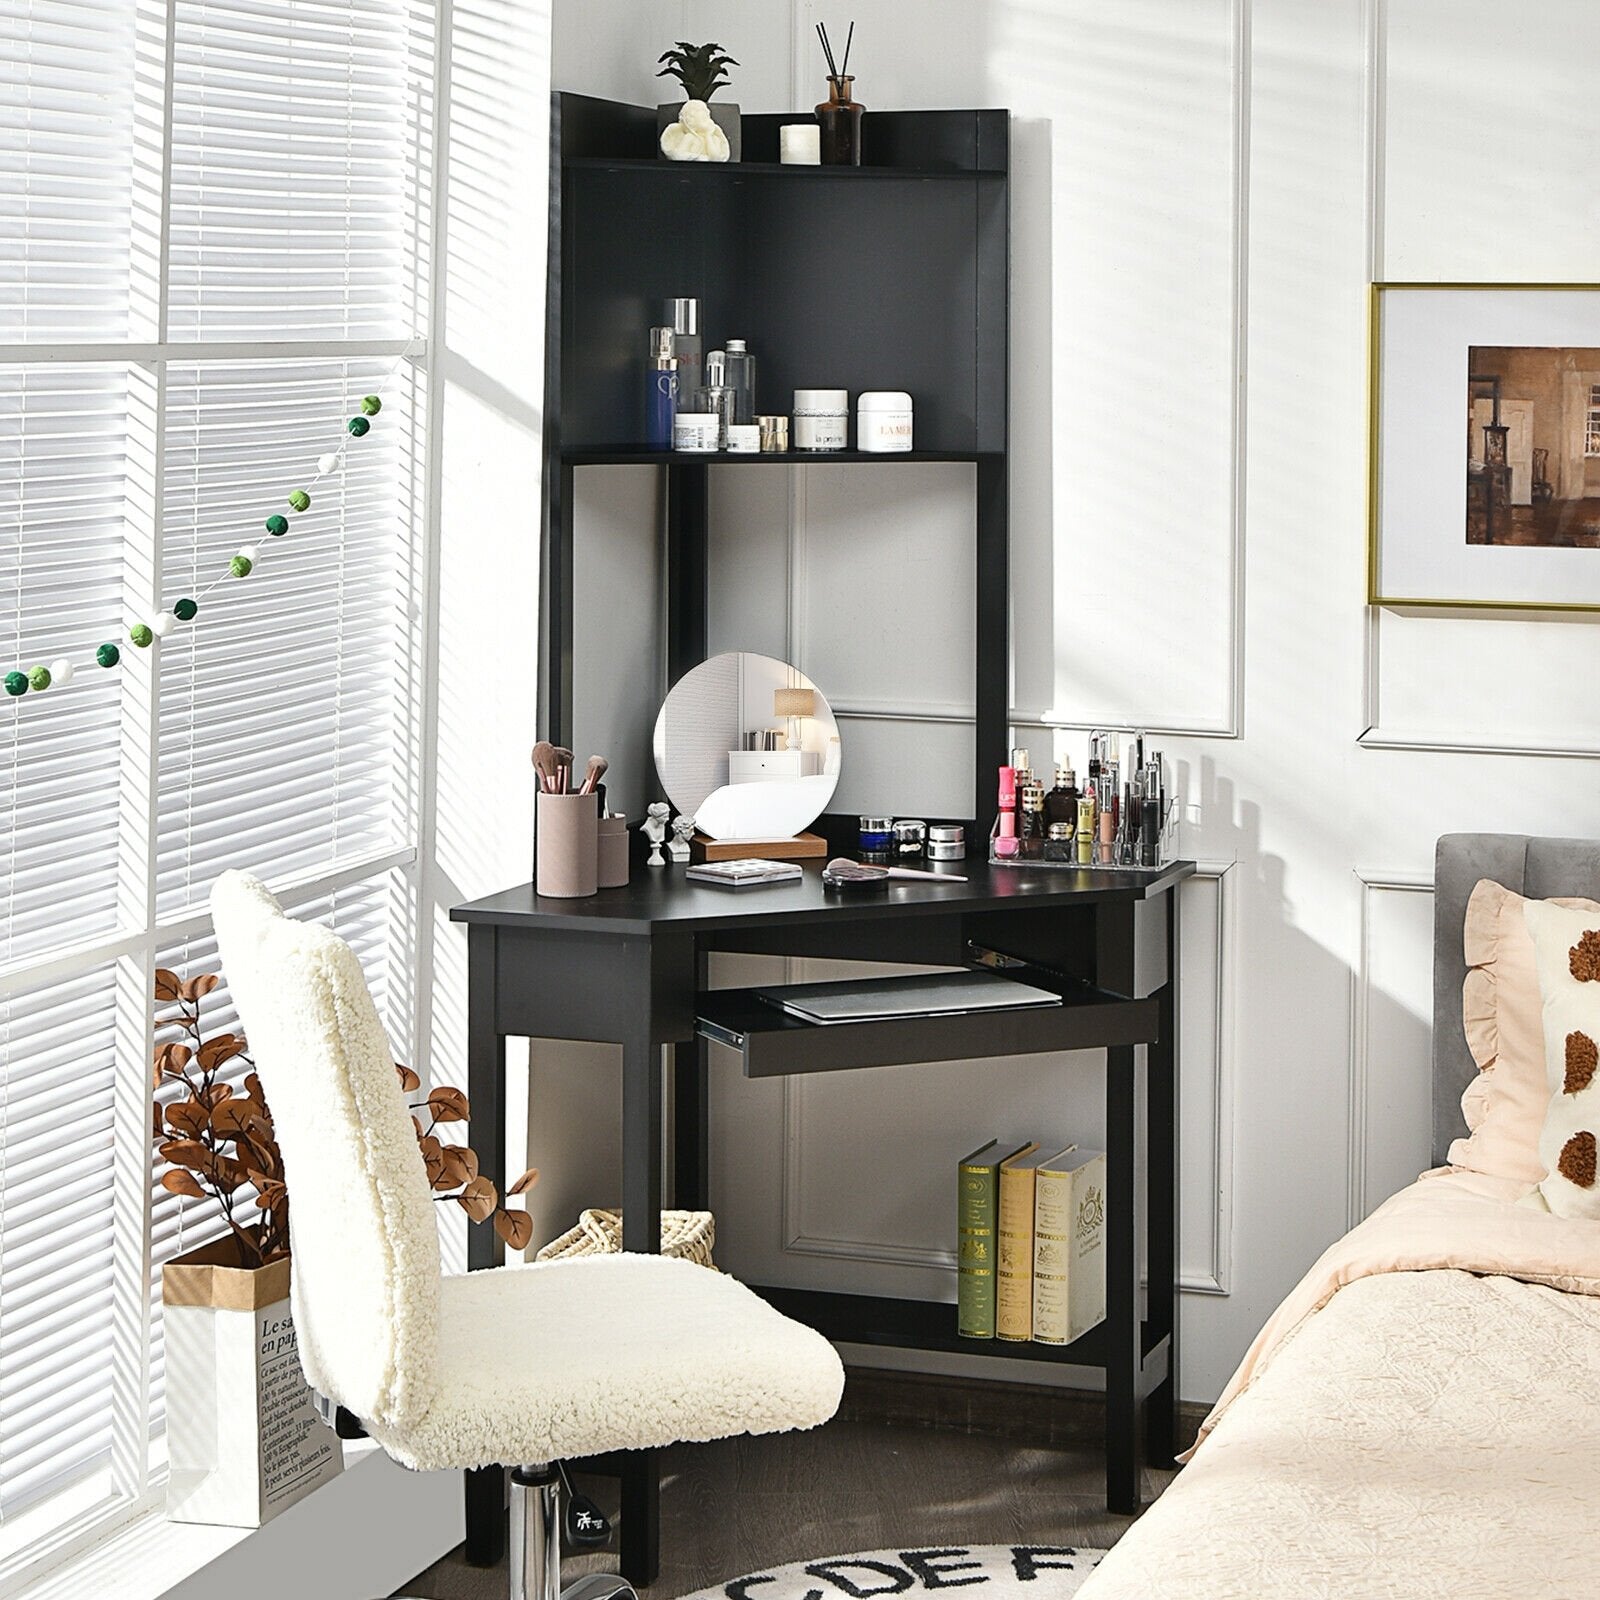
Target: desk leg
pixel 486 1090
pixel 691 1186
pixel 641 1233
pixel 1161 1407
pixel 1123 1332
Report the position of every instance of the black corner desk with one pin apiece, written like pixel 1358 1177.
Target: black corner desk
pixel 629 966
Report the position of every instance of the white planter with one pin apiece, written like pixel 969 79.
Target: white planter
pixel 243 1437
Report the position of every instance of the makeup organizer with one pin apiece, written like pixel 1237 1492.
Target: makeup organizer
pixel 1122 818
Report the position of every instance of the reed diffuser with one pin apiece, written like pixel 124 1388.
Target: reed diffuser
pixel 840 114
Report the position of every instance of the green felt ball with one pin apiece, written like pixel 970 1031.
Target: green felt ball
pixel 358 426
pixel 186 610
pixel 108 655
pixel 371 404
pixel 16 683
pixel 140 634
pixel 299 500
pixel 277 525
pixel 241 566
pixel 38 677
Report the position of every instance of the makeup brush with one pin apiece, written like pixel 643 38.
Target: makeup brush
pixel 544 763
pixel 596 771
pixel 563 770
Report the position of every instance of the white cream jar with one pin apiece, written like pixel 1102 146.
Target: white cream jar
pixel 883 420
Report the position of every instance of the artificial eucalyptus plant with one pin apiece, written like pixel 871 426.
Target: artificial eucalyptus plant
pixel 698 67
pixel 218 1140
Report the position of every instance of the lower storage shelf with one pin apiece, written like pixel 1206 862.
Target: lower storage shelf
pixel 931 1325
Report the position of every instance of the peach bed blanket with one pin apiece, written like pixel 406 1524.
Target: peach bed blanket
pixel 1421 1416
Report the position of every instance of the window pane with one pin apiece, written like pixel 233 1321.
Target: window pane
pixel 66 168
pixel 63 445
pixel 282 707
pixel 293 134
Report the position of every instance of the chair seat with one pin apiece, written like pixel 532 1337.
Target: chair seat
pixel 624 1352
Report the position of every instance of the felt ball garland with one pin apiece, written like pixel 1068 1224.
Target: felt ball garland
pixel 59 673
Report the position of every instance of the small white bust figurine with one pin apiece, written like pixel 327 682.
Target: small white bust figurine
pixel 654 828
pixel 695 136
pixel 682 833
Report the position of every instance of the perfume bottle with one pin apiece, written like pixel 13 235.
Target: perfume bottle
pixel 840 119
pixel 1061 804
pixel 661 390
pixel 1031 824
pixel 741 370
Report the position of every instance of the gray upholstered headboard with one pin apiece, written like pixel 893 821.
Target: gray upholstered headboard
pixel 1538 868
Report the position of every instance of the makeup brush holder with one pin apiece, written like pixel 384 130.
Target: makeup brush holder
pixel 566 846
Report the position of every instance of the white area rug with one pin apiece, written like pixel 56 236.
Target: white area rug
pixel 1036 1571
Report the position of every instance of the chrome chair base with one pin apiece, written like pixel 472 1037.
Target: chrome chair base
pixel 535 1552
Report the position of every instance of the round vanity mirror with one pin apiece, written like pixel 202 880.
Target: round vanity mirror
pixel 748 747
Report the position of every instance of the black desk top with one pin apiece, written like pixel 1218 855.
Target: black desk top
pixel 661 898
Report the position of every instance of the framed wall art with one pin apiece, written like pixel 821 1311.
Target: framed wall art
pixel 1484 440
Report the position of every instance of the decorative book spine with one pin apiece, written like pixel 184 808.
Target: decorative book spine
pixel 975 1218
pixel 1014 1285
pixel 1086 1300
pixel 1052 1244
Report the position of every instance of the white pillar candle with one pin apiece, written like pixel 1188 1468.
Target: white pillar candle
pixel 800 144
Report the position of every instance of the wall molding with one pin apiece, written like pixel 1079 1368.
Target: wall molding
pixel 1215 1280
pixel 1372 883
pixel 1374 735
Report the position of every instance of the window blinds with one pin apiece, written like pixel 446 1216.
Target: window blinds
pixel 292 133
pixel 56 1046
pixel 280 731
pixel 66 168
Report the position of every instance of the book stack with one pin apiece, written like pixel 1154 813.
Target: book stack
pixel 1031 1255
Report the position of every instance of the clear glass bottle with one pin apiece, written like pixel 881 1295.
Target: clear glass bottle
pixel 840 119
pixel 740 366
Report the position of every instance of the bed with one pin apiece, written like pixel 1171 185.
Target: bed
pixel 1421 1416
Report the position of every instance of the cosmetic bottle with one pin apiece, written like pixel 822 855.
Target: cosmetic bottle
pixel 1150 819
pixel 840 119
pixel 1005 843
pixel 741 370
pixel 688 346
pixel 1085 835
pixel 716 397
pixel 1058 842
pixel 661 391
pixel 1030 824
pixel 1061 804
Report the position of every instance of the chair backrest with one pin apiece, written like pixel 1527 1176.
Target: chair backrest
pixel 363 1239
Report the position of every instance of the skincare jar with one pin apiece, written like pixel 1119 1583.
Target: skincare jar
pixel 947 841
pixel 883 421
pixel 697 431
pixel 774 433
pixel 744 439
pixel 910 838
pixel 821 419
pixel 875 838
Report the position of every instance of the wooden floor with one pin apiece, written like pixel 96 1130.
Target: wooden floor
pixel 742 1504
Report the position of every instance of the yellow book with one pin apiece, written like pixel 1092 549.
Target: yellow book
pixel 1014 1283
pixel 1069 1264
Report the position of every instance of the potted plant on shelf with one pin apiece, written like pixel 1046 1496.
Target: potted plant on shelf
pixel 244 1440
pixel 695 129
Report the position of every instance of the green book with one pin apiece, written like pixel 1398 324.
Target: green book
pixel 977 1225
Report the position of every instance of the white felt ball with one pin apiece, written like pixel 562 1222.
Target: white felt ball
pixel 327 463
pixel 61 672
pixel 164 623
pixel 249 552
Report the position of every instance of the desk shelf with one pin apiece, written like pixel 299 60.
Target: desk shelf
pixel 931 1325
pixel 775 1044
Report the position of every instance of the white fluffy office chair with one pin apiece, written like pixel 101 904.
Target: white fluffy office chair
pixel 519 1366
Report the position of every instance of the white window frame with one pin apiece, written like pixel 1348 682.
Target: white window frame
pixel 83 1516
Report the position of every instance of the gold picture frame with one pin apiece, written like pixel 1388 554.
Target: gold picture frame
pixel 1378 594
